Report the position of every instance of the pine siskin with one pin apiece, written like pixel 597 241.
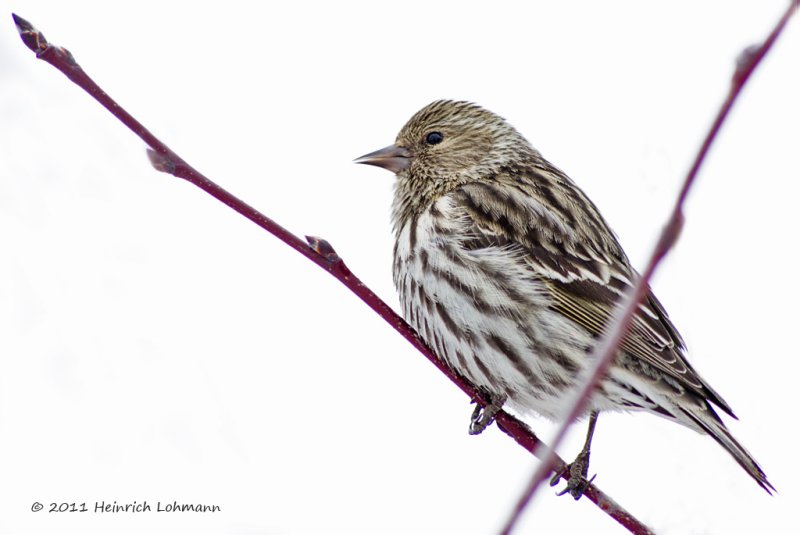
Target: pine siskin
pixel 509 273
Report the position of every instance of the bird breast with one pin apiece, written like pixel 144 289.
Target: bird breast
pixel 483 312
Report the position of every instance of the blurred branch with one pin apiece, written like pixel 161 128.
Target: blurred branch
pixel 317 250
pixel 608 345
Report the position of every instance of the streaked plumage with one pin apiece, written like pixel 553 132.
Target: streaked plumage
pixel 509 272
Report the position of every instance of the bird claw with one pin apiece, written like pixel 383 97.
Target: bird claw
pixel 482 417
pixel 579 468
pixel 577 482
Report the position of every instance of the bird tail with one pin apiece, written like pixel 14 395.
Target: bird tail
pixel 709 422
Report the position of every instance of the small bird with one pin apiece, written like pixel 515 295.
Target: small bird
pixel 510 274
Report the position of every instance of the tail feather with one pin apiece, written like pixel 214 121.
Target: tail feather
pixel 709 422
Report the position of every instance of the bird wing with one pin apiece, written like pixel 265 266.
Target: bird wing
pixel 651 338
pixel 581 265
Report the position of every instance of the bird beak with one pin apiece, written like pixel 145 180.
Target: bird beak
pixel 393 158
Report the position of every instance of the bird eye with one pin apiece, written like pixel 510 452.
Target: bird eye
pixel 434 138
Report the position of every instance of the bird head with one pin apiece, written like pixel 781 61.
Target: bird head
pixel 451 137
pixel 444 145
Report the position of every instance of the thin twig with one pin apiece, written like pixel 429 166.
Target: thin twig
pixel 607 348
pixel 317 250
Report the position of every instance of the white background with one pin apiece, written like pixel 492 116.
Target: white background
pixel 155 345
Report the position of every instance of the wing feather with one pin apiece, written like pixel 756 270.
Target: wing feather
pixel 579 261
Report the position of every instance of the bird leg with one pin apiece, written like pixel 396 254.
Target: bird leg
pixel 579 468
pixel 482 417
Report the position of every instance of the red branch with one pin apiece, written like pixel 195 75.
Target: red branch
pixel 607 348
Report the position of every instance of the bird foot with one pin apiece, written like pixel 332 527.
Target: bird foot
pixel 482 417
pixel 577 482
